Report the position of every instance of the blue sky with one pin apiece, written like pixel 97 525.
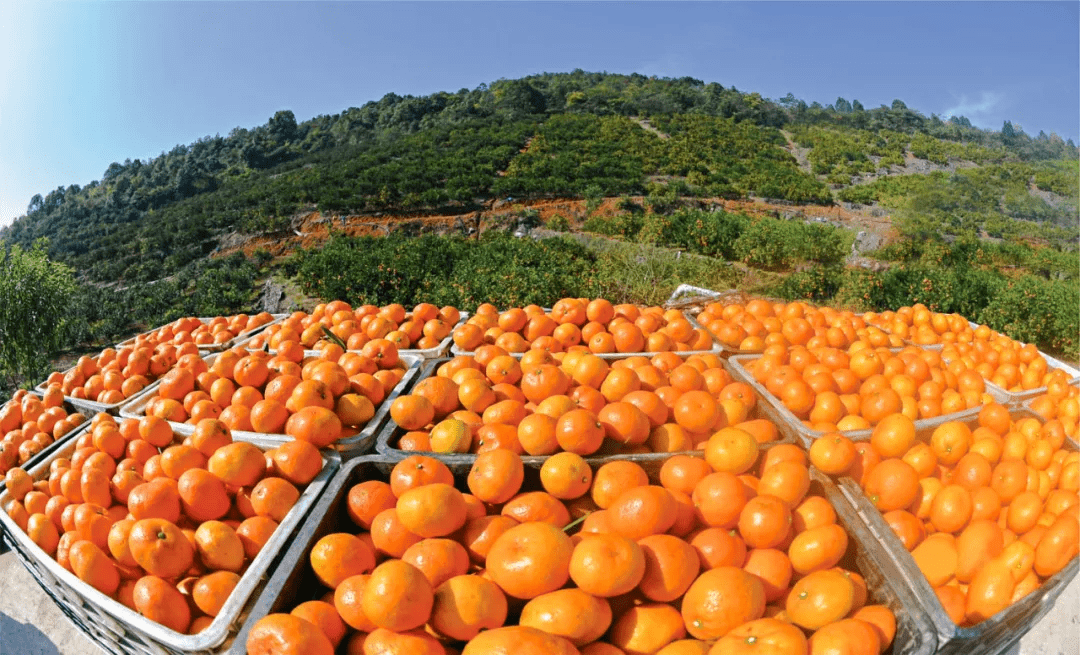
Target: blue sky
pixel 85 84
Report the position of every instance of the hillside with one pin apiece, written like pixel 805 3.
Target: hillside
pixel 800 196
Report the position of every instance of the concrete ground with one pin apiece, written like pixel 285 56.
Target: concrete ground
pixel 31 624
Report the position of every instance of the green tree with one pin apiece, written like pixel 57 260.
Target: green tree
pixel 34 298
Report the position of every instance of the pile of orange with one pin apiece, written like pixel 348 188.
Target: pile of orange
pixel 1005 362
pixel 714 556
pixel 833 390
pixel 164 527
pixel 29 423
pixel 1061 402
pixel 1002 360
pixel 753 326
pixel 923 327
pixel 597 325
pixel 544 403
pixel 310 398
pixel 424 327
pixel 218 330
pixel 113 376
pixel 989 510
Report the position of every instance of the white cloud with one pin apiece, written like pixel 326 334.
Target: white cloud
pixel 977 111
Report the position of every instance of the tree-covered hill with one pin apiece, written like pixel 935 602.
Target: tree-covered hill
pixel 549 135
pixel 664 153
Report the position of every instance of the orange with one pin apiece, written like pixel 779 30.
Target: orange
pixel 160 601
pixel 338 556
pixel 580 431
pixel 893 435
pixel 820 598
pixel 818 549
pixel 465 605
pixel 566 476
pixel 160 547
pixel 764 522
pixel 767 635
pixel 731 450
pixel 719 500
pixel 288 635
pixel 568 613
pixel 530 559
pixel 720 600
pixel 642 511
pixel 518 640
pixel 853 636
pixel 892 484
pixel 833 454
pixel 397 596
pixel 607 565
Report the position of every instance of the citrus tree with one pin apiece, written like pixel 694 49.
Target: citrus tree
pixel 34 296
